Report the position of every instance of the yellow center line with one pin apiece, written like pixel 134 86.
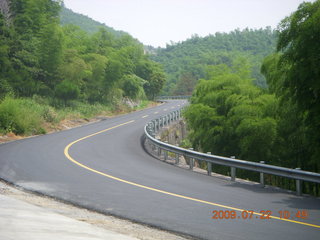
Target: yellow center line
pixel 156 112
pixel 66 153
pixel 145 116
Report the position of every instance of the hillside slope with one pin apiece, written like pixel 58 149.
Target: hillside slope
pixel 67 16
pixel 186 62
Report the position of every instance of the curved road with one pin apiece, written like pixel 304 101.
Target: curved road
pixel 103 167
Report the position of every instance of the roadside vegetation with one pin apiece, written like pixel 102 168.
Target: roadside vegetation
pixel 52 70
pixel 33 116
pixel 230 116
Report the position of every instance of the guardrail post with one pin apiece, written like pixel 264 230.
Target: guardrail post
pixel 262 176
pixel 159 152
pixel 233 172
pixel 298 185
pixel 191 161
pixel 165 153
pixel 154 126
pixel 209 166
pixel 177 156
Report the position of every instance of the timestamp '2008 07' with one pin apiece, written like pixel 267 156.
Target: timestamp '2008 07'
pixel 263 214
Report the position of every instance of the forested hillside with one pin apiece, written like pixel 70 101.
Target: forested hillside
pixel 67 16
pixel 280 125
pixel 187 62
pixel 64 66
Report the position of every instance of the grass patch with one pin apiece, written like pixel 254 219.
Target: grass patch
pixel 21 116
pixel 31 116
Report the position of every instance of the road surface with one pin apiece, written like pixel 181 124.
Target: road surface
pixel 103 167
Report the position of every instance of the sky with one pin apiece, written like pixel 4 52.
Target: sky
pixel 161 22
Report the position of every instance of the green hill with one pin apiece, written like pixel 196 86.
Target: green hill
pixel 186 62
pixel 67 16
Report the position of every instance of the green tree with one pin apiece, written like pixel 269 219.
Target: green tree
pixel 132 86
pixel 94 80
pixel 50 51
pixel 154 76
pixel 230 116
pixel 299 43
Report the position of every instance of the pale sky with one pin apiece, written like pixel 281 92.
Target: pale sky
pixel 157 22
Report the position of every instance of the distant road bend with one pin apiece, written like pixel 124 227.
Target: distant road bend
pixel 102 166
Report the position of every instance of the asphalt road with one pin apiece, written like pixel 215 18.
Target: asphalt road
pixel 102 166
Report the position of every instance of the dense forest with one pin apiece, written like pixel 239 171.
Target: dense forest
pixel 187 62
pixel 44 62
pixel 231 116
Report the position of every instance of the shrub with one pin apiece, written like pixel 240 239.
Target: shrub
pixel 67 90
pixel 20 116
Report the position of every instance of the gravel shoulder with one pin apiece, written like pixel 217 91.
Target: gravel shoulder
pixel 106 222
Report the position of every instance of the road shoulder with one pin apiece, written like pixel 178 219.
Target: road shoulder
pixel 24 215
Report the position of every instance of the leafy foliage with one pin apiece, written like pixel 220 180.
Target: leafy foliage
pixel 293 75
pixel 280 125
pixel 66 90
pixel 20 116
pixel 231 117
pixel 39 56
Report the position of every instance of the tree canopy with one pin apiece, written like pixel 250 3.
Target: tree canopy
pixel 41 57
pixel 186 62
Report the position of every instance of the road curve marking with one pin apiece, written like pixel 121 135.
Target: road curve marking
pixel 145 116
pixel 66 153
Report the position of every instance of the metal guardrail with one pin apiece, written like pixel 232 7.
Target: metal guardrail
pixel 173 97
pixel 155 125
